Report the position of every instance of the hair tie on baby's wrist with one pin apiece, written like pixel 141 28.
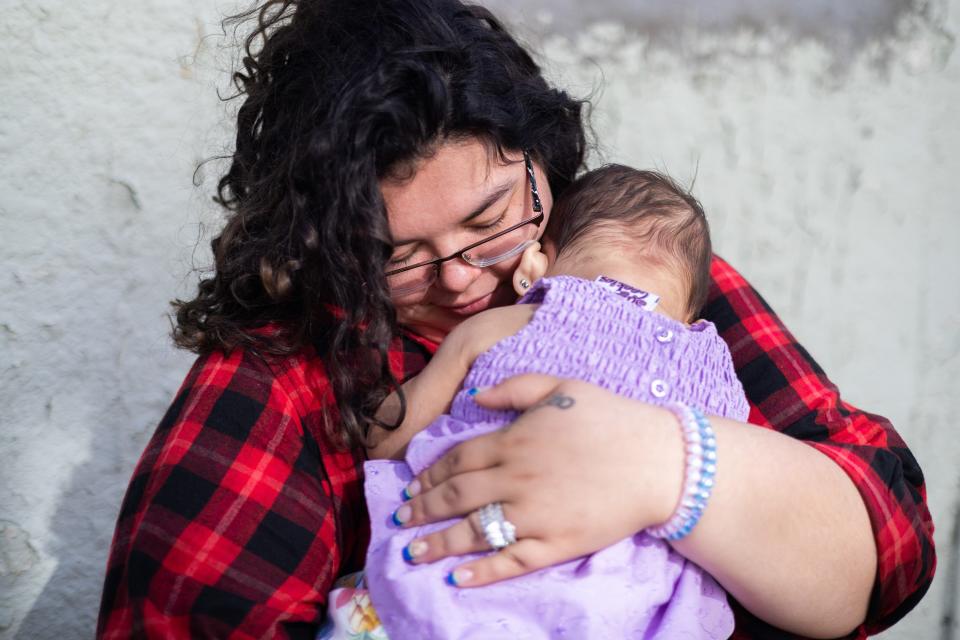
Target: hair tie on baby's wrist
pixel 699 470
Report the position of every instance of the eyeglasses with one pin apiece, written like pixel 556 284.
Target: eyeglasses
pixel 499 247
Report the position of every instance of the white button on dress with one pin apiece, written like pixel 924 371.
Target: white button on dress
pixel 659 389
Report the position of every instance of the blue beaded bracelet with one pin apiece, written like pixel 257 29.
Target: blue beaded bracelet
pixel 700 469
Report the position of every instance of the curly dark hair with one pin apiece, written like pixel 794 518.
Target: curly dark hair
pixel 338 94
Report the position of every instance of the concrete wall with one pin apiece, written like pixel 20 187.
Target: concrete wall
pixel 822 140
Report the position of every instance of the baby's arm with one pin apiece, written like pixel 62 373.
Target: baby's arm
pixel 429 394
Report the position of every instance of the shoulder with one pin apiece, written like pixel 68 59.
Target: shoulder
pixel 245 395
pixel 514 315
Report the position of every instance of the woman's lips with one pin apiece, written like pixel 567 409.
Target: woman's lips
pixel 471 307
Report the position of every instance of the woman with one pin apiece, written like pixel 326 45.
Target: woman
pixel 378 135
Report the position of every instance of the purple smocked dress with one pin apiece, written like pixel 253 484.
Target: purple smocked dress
pixel 604 333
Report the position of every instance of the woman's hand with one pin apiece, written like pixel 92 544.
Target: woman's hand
pixel 786 532
pixel 571 473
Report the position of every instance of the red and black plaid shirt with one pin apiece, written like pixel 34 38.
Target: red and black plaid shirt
pixel 242 512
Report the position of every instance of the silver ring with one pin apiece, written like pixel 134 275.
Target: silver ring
pixel 497 530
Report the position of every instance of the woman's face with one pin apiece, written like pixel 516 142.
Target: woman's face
pixel 460 195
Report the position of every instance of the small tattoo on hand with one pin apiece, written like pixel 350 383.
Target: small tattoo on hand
pixel 557 400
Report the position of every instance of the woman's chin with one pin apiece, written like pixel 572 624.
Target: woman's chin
pixel 434 322
pixel 499 297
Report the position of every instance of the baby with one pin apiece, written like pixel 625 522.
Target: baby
pixel 625 269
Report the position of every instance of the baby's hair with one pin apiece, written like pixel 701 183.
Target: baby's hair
pixel 644 213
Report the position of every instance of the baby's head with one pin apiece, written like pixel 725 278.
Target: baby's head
pixel 641 225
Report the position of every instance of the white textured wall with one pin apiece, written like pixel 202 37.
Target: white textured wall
pixel 823 140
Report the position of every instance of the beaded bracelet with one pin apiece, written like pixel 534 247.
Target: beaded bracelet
pixel 700 467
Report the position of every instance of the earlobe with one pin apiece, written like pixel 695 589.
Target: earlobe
pixel 532 266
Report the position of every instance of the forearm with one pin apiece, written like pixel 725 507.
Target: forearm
pixel 786 533
pixel 426 396
pixel 384 443
pixel 429 394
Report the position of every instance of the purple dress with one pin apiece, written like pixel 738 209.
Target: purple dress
pixel 604 333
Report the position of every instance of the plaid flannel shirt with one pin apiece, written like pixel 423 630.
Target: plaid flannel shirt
pixel 242 511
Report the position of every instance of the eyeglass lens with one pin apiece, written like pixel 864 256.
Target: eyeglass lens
pixel 484 255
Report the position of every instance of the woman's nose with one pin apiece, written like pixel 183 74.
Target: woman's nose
pixel 456 275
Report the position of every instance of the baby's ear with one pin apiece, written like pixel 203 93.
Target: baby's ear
pixel 532 266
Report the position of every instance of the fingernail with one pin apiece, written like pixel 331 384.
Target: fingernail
pixel 411 490
pixel 402 515
pixel 475 390
pixel 458 577
pixel 414 550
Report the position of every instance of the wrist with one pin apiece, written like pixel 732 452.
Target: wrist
pixel 667 462
pixel 700 467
